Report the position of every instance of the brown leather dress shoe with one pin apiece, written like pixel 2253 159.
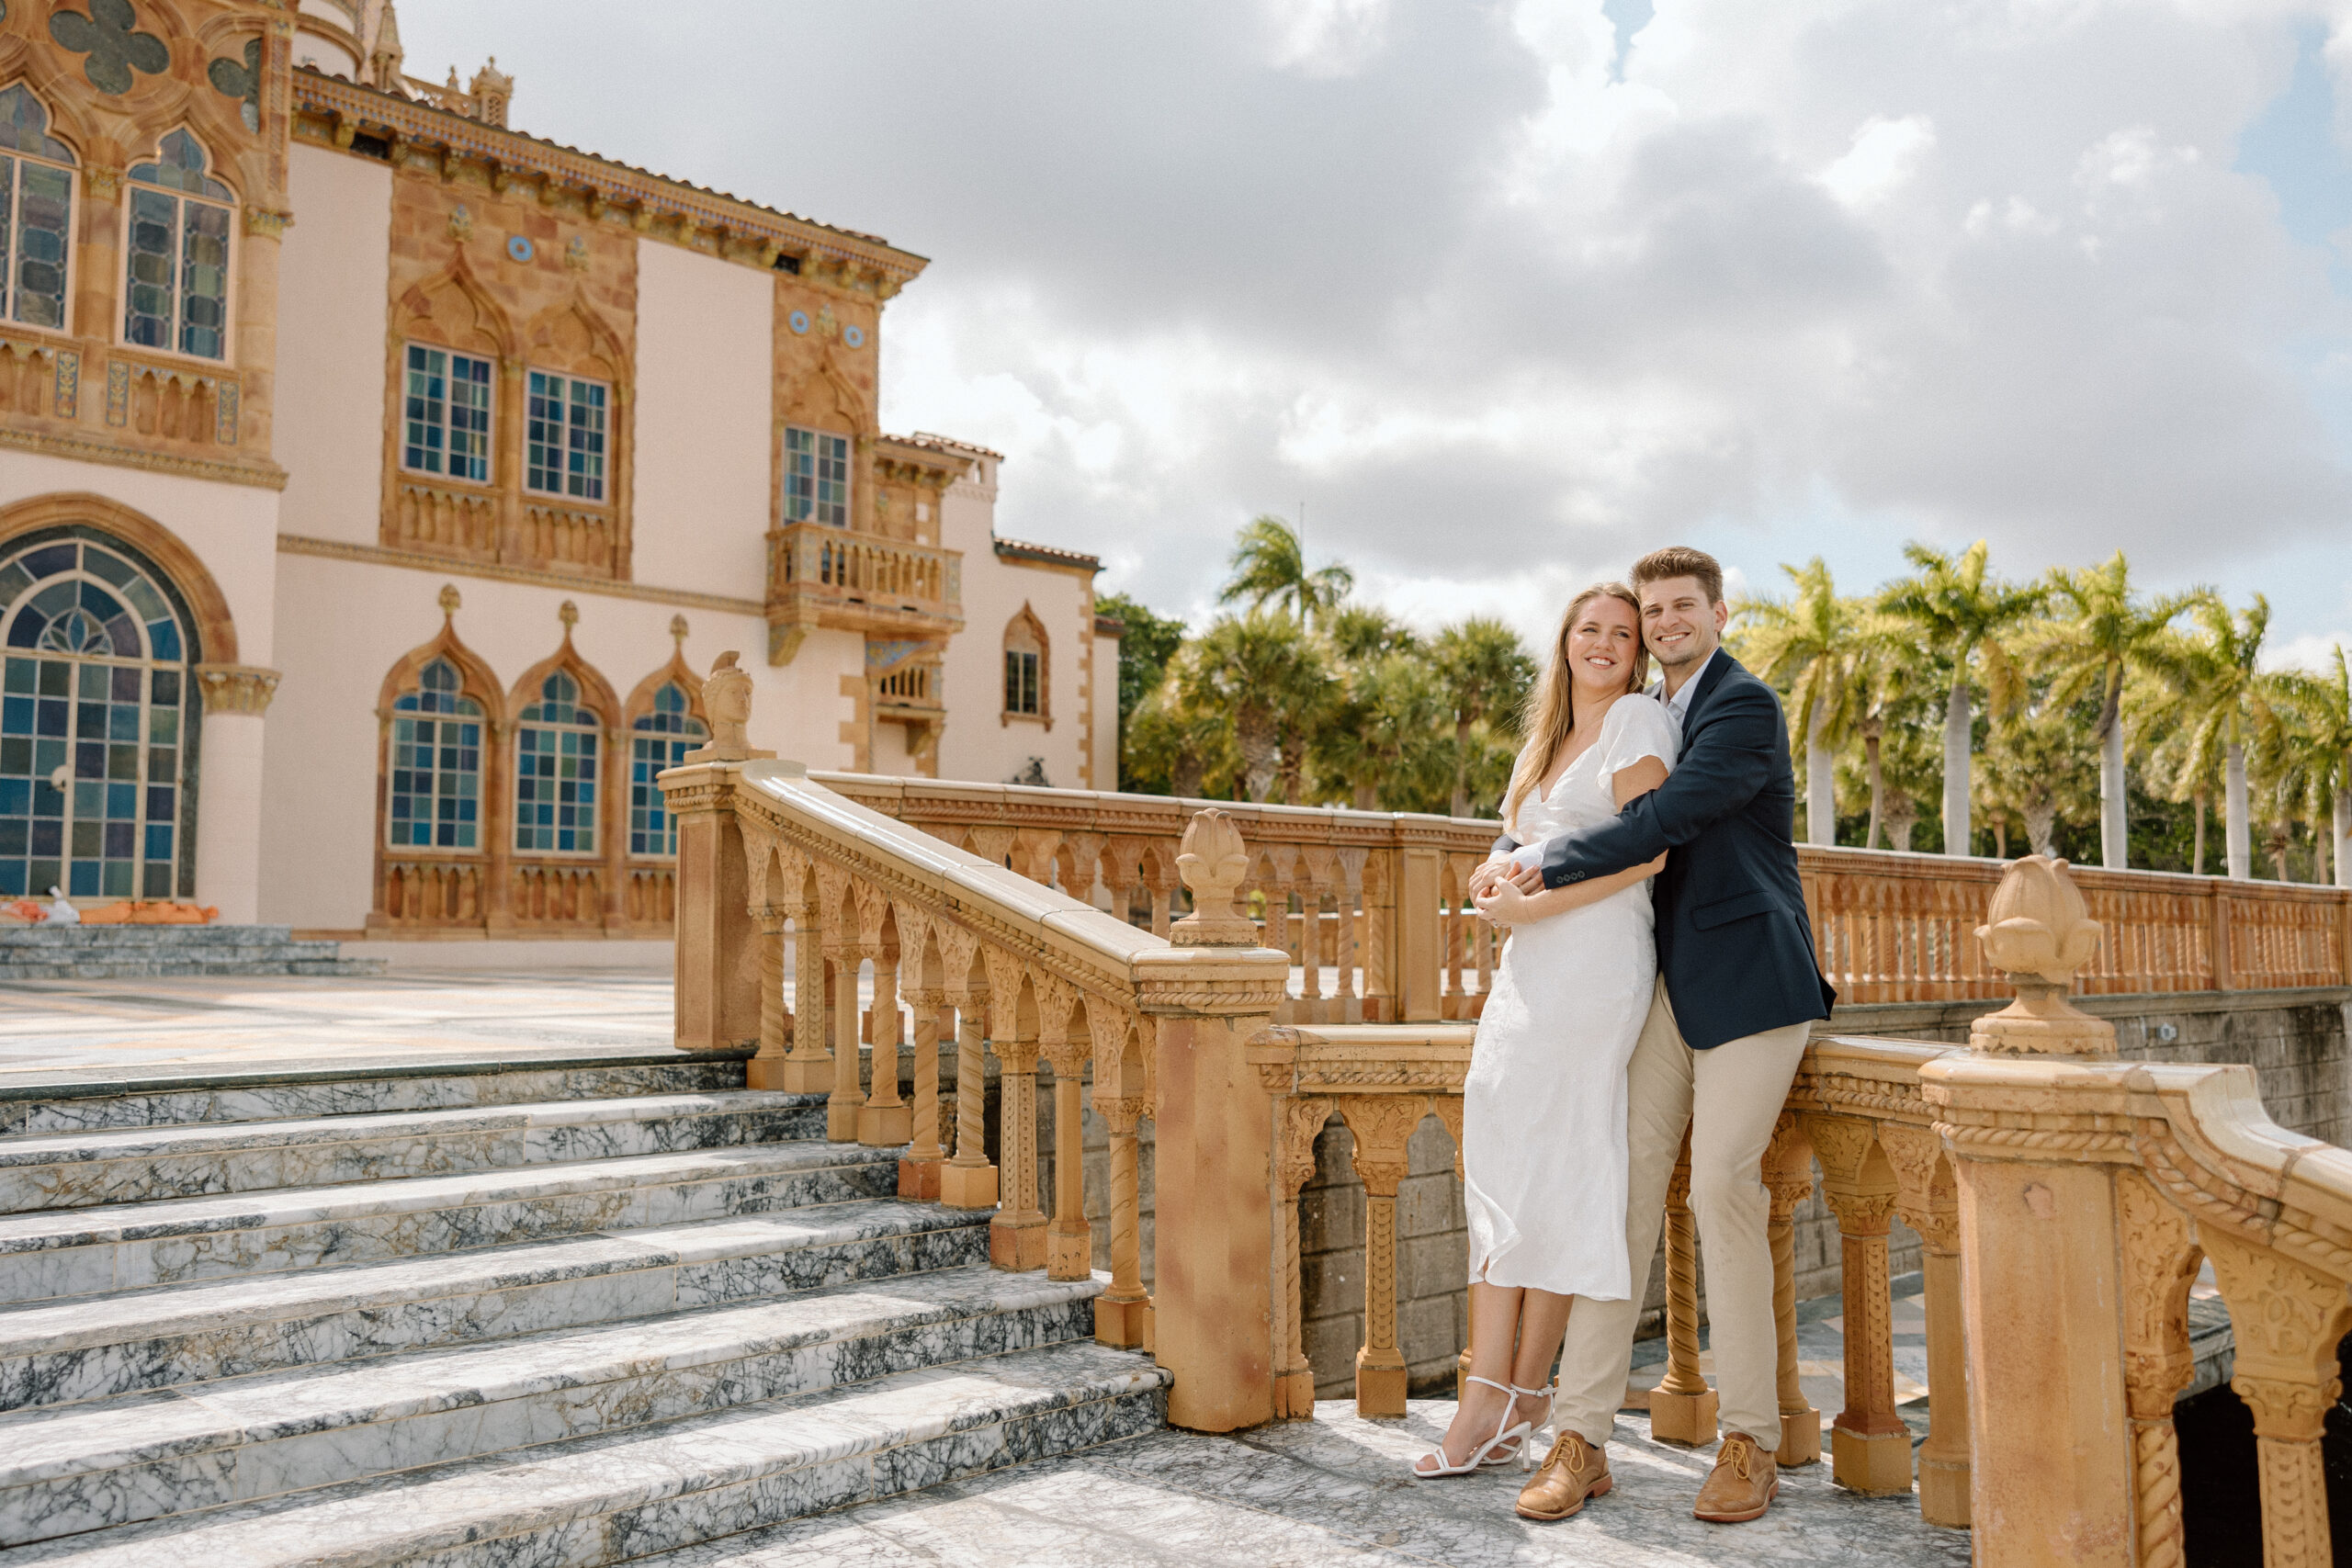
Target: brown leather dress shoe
pixel 1571 1472
pixel 1745 1482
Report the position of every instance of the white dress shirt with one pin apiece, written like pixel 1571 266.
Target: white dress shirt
pixel 1529 856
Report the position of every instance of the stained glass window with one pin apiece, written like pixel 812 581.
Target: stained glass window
pixel 436 763
pixel 554 772
pixel 36 212
pixel 564 436
pixel 658 740
pixel 815 477
pixel 445 414
pixel 95 721
pixel 176 266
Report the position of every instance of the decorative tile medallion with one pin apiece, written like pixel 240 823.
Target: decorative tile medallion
pixel 799 321
pixel 66 390
pixel 519 248
pixel 118 393
pixel 855 336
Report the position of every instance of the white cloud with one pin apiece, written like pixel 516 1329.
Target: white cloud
pixel 1882 160
pixel 1326 38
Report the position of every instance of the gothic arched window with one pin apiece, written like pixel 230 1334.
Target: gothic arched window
pixel 36 212
pixel 555 772
pixel 436 763
pixel 657 740
pixel 96 714
pixel 176 292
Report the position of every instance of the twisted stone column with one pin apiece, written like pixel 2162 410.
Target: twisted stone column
pixel 967 1180
pixel 919 1170
pixel 1070 1240
pixel 1929 1200
pixel 1383 1125
pixel 1870 1446
pixel 884 1119
pixel 1683 1408
pixel 1123 1312
pixel 1788 1176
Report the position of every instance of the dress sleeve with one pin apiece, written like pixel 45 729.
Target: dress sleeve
pixel 1642 729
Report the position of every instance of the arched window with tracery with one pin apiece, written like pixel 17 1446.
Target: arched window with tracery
pixel 36 213
pixel 555 772
pixel 176 252
pixel 1028 670
pixel 97 723
pixel 435 797
pixel 659 739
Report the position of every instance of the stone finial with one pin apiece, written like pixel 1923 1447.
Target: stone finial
pixel 1213 859
pixel 449 601
pixel 569 613
pixel 727 700
pixel 678 631
pixel 2039 932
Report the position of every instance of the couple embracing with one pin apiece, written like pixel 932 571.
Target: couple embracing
pixel 1660 976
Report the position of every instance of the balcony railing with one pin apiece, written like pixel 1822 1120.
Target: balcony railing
pixel 822 576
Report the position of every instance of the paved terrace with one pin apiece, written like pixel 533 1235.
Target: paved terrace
pixel 1333 1491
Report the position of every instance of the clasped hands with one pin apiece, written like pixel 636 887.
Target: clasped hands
pixel 1501 891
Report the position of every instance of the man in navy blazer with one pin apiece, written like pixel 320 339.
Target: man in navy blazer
pixel 1738 991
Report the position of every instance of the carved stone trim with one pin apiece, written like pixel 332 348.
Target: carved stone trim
pixel 237 688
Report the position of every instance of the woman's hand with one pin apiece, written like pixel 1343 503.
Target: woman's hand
pixel 1502 903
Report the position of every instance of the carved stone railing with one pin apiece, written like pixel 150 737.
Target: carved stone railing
pixel 1371 907
pixel 1901 928
pixel 988 960
pixel 824 576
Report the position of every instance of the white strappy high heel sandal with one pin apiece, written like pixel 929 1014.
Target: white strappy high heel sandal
pixel 1508 1442
pixel 1528 1446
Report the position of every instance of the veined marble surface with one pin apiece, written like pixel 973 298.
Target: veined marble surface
pixel 1335 1491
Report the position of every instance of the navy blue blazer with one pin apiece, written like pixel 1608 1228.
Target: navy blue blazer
pixel 1734 941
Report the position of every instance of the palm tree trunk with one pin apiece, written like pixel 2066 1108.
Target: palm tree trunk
pixel 2114 815
pixel 1870 739
pixel 2237 829
pixel 2343 844
pixel 1461 767
pixel 1957 837
pixel 2196 866
pixel 1820 781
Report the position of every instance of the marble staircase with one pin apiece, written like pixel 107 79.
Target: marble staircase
pixel 490 1313
pixel 131 953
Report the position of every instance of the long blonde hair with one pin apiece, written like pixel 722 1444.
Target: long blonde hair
pixel 1550 715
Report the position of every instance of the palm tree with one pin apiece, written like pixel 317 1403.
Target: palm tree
pixel 1171 747
pixel 2110 634
pixel 1485 674
pixel 1808 646
pixel 1269 564
pixel 2219 703
pixel 1383 746
pixel 1961 613
pixel 1260 670
pixel 2034 765
pixel 1883 689
pixel 2319 737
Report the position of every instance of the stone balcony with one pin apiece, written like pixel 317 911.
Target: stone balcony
pixel 845 581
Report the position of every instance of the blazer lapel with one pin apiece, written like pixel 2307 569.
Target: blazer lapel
pixel 1718 668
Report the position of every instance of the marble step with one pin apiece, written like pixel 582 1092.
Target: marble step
pixel 88 1466
pixel 35 1103
pixel 95 1347
pixel 144 1164
pixel 109 952
pixel 54 1253
pixel 628 1495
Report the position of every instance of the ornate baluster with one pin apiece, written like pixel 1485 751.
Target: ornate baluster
pixel 2288 1320
pixel 1123 863
pixel 1381 1004
pixel 1929 1200
pixel 1070 1240
pixel 967 1180
pixel 1316 866
pixel 847 1096
pixel 2160 1262
pixel 1032 854
pixel 1349 951
pixel 1017 1234
pixel 1788 1176
pixel 1123 1312
pixel 918 1167
pixel 883 1122
pixel 1159 877
pixel 808 1069
pixel 1683 1408
pixel 1297 1122
pixel 1870 1447
pixel 1083 865
pixel 1383 1125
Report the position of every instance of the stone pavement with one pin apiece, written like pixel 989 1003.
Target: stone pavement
pixel 1333 1491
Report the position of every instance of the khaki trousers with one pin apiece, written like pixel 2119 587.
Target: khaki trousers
pixel 1729 1098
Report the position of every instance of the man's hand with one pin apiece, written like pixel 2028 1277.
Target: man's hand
pixel 1528 879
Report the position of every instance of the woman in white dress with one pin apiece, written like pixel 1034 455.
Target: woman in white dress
pixel 1544 1107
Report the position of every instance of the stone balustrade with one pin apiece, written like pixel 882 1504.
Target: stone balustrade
pixel 2065 1199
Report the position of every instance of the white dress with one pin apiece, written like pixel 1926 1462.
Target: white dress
pixel 1544 1109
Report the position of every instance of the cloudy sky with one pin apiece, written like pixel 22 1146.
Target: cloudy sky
pixel 1503 294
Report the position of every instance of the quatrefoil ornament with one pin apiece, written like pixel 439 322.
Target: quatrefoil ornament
pixel 241 82
pixel 109 36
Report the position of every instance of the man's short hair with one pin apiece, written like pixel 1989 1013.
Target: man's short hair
pixel 1680 560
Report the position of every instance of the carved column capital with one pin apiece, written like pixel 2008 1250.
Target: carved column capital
pixel 1298 1124
pixel 237 688
pixel 1383 1126
pixel 1926 1196
pixel 2287 1321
